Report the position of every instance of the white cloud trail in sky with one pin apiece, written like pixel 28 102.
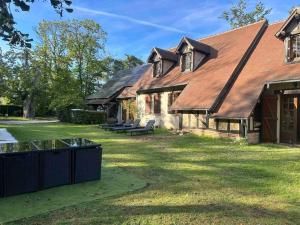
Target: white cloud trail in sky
pixel 129 19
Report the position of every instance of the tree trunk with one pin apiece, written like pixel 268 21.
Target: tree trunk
pixel 28 107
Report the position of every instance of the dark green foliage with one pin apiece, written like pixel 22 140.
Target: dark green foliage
pixel 239 14
pixel 88 117
pixel 81 116
pixel 11 110
pixel 64 115
pixel 9 33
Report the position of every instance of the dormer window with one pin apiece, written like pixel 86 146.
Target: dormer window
pixel 290 34
pixel 162 61
pixel 157 69
pixel 295 48
pixel 192 53
pixel 186 62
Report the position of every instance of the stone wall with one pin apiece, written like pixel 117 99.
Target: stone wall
pixel 164 119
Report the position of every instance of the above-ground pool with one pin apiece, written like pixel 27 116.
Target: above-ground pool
pixel 37 165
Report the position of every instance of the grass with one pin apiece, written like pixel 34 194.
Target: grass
pixel 114 182
pixel 190 180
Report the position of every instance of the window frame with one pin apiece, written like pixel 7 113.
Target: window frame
pixel 157 65
pixel 148 104
pixel 293 52
pixel 184 63
pixel 157 103
pixel 172 96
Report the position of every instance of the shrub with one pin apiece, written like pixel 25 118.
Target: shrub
pixel 64 115
pixel 11 110
pixel 87 117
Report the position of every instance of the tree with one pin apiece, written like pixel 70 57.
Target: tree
pixel 75 47
pixel 23 80
pixel 85 43
pixel 131 61
pixel 8 31
pixel 113 66
pixel 239 15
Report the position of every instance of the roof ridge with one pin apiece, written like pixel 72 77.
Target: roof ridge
pixel 224 32
pixel 231 30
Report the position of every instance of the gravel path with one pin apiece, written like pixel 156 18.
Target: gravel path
pixel 16 122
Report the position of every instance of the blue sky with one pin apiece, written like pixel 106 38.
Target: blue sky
pixel 136 26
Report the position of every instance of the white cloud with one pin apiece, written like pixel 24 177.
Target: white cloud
pixel 129 19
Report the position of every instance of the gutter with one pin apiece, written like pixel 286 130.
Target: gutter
pixel 162 89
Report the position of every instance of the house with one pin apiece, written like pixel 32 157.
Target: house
pixel 107 99
pixel 243 82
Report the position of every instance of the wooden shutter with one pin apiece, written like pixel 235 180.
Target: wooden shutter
pixel 148 104
pixel 170 100
pixel 157 103
pixel 269 123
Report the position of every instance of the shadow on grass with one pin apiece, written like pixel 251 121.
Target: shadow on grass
pixel 114 182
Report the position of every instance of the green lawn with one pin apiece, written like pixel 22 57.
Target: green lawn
pixel 190 180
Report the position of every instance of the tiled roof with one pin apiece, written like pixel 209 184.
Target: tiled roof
pixel 164 54
pixel 124 78
pixel 128 92
pixel 266 64
pixel 197 45
pixel 206 84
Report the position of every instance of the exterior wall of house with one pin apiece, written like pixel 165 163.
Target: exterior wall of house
pixel 164 119
pixel 196 122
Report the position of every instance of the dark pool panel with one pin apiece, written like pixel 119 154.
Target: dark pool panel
pixel 87 171
pixel 55 168
pixel 21 173
pixel 37 165
pixel 1 177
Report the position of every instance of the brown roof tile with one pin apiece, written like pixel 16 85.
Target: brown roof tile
pixel 265 64
pixel 207 82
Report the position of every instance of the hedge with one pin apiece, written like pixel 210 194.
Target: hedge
pixel 82 116
pixel 11 110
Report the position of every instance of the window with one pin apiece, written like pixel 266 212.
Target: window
pixel 148 104
pixel 152 104
pixel 171 99
pixel 293 48
pixel 157 104
pixel 157 69
pixel 186 61
pixel 288 116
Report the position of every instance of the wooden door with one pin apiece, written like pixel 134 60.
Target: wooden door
pixel 288 121
pixel 269 123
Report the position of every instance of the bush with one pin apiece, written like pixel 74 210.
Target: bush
pixel 81 116
pixel 64 115
pixel 87 117
pixel 11 110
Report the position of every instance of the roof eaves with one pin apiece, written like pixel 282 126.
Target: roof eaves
pixel 281 33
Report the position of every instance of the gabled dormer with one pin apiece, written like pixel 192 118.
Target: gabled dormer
pixel 162 60
pixel 290 34
pixel 192 53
